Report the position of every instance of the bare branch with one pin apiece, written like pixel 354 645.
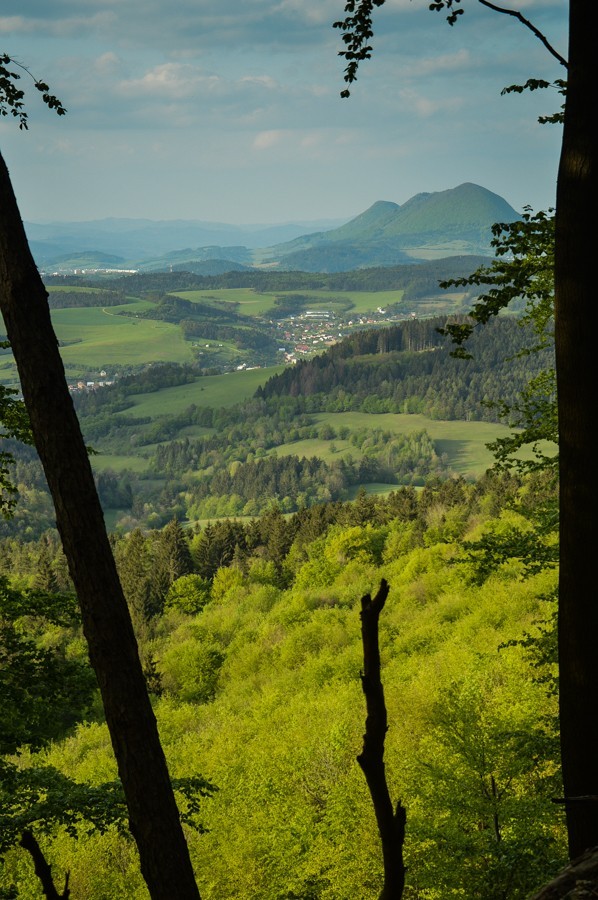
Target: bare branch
pixel 521 18
pixel 43 870
pixel 391 822
pixel 358 30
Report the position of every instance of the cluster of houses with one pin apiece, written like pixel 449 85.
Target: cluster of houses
pixel 314 330
pixel 79 387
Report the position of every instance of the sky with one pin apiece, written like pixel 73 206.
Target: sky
pixel 230 110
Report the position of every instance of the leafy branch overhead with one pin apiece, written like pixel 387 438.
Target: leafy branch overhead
pixel 358 30
pixel 523 267
pixel 12 96
pixel 14 421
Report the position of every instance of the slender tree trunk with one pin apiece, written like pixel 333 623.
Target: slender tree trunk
pixel 576 357
pixel 153 815
pixel 391 822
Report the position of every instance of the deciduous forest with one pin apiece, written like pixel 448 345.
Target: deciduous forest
pixel 249 637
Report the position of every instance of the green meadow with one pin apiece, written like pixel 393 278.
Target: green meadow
pixel 464 443
pixel 465 449
pixel 101 462
pixel 93 338
pixel 246 301
pixel 108 338
pixel 253 303
pixel 211 390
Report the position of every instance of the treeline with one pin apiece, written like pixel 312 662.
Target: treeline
pixel 147 380
pixel 416 279
pixel 250 488
pixel 232 471
pixel 228 473
pixel 172 550
pixel 72 299
pixel 227 470
pixel 244 338
pixel 169 308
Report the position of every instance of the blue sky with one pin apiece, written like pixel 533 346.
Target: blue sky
pixel 229 110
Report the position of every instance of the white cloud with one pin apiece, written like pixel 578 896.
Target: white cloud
pixel 259 80
pixel 15 24
pixel 108 64
pixel 71 26
pixel 267 139
pixel 432 65
pixel 170 80
pixel 249 90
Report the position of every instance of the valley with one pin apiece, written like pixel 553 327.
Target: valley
pixel 267 447
pixel 205 400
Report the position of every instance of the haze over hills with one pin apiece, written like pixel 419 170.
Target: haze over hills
pixel 143 239
pixel 453 222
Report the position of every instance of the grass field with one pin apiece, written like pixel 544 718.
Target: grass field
pixel 214 390
pixel 245 301
pixel 109 338
pixel 100 462
pixel 252 303
pixel 463 442
pixel 93 338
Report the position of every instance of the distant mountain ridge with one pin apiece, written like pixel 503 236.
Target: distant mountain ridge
pixel 454 222
pixel 137 240
pixel 429 225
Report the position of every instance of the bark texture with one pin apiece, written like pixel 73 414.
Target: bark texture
pixel 576 356
pixel 391 822
pixel 153 815
pixel 578 880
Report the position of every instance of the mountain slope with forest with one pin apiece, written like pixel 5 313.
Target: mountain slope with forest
pixel 455 221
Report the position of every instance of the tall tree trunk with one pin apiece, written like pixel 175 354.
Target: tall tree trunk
pixel 576 356
pixel 153 815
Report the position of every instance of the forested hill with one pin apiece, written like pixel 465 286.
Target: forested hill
pixel 409 368
pixel 416 279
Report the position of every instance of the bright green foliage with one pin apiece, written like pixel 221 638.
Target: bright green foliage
pixel 189 670
pixel 261 694
pixel 41 668
pixel 43 799
pixel 189 594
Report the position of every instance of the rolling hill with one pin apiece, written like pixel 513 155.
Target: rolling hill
pixel 429 226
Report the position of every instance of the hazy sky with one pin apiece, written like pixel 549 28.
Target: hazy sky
pixel 229 110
